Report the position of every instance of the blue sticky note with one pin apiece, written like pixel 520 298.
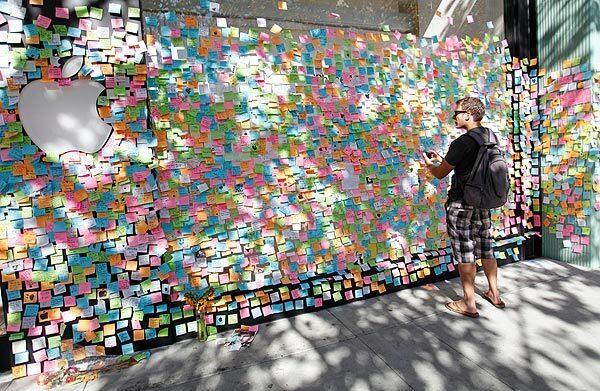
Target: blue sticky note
pixel 124 337
pixel 127 348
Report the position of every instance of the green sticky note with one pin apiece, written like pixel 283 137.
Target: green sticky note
pixel 13 318
pixel 60 29
pixel 165 319
pixel 212 333
pixel 96 13
pixel 45 35
pixel 164 332
pixel 54 341
pixel 120 90
pixel 16 336
pixel 82 12
pixel 385 27
pixel 146 284
pixel 133 12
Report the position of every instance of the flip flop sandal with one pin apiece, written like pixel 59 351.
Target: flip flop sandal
pixel 454 308
pixel 500 305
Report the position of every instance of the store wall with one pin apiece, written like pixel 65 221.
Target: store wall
pixel 569 129
pixel 279 168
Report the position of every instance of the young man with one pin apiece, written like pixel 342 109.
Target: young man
pixel 468 228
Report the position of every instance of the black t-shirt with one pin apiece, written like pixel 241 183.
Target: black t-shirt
pixel 461 154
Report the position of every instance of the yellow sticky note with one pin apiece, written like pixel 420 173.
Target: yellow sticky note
pixel 19 371
pixel 276 29
pixel 282 5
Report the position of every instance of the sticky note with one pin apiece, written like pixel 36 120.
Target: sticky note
pixel 276 29
pixel 114 8
pixel 82 11
pixel 133 12
pixel 96 13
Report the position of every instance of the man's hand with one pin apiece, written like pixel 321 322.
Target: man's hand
pixel 437 165
pixel 431 158
pixel 435 157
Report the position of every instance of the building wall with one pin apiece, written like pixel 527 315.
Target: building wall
pixel 425 18
pixel 445 18
pixel 569 53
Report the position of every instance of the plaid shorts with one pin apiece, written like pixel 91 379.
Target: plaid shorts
pixel 469 230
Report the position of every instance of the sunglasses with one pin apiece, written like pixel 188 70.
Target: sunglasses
pixel 457 112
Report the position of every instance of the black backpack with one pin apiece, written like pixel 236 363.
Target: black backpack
pixel 488 184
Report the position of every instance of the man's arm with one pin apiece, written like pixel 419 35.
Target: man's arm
pixel 440 171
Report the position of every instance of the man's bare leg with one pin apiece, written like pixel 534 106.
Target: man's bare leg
pixel 490 268
pixel 467 279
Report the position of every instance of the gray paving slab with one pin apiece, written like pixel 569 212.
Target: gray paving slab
pixel 515 276
pixel 368 315
pixel 546 339
pixel 346 365
pixel 427 363
pixel 409 304
pixel 192 359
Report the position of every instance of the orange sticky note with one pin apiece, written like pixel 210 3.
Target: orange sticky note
pixel 138 335
pixel 109 329
pixel 19 371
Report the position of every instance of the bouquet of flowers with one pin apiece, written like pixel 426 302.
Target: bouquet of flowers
pixel 202 303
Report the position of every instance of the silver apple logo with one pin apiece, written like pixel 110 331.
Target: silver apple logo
pixel 61 119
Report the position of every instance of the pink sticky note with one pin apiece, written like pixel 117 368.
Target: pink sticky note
pixel 469 18
pixel 267 310
pixel 51 329
pixel 40 355
pixel 62 13
pixel 244 313
pixel 35 331
pixel 43 21
pixel 51 366
pixel 85 287
pixel 54 72
pixel 117 23
pixel 44 296
pixel 69 301
pixel 85 24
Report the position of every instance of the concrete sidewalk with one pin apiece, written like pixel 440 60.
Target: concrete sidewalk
pixel 548 338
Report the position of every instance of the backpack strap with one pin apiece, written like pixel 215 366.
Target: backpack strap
pixel 483 140
pixel 483 145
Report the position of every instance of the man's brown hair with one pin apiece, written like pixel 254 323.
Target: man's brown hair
pixel 472 106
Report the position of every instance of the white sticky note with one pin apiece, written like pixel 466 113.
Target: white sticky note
pixel 221 22
pixel 19 346
pixel 132 27
pixel 15 26
pixel 469 18
pixel 114 8
pixel 261 22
